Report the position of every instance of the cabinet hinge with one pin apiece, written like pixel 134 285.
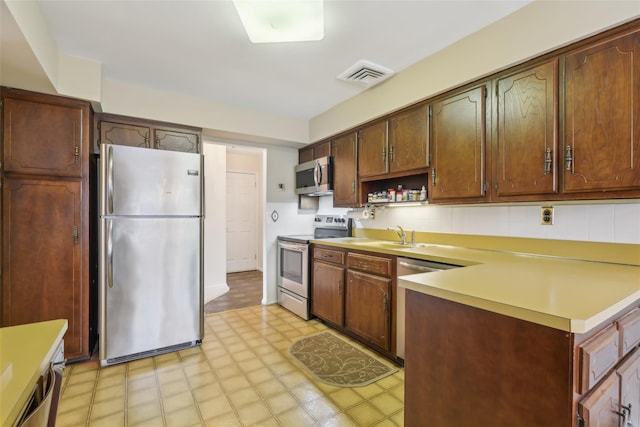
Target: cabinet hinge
pixel 75 235
pixel 579 420
pixel 1 101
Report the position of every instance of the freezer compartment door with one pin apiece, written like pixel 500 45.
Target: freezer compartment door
pixel 150 284
pixel 142 181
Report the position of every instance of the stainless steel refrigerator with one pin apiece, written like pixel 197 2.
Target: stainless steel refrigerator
pixel 150 236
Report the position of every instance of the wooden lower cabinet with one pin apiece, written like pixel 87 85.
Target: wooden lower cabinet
pixel 327 299
pixel 468 366
pixel 43 254
pixel 368 308
pixel 615 401
pixel 354 292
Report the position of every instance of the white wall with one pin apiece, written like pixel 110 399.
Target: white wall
pixel 279 165
pixel 537 28
pixel 215 249
pixel 607 222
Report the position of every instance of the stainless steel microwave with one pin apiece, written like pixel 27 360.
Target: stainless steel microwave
pixel 315 178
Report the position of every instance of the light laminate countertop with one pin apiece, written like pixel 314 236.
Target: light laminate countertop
pixel 25 354
pixel 563 293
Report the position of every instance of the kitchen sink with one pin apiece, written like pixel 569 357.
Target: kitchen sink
pixel 393 245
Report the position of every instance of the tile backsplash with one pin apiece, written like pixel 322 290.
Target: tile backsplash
pixel 611 222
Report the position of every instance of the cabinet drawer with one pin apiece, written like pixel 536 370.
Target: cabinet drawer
pixel 597 356
pixel 370 264
pixel 329 255
pixel 629 329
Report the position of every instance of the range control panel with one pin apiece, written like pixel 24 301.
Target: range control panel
pixel 330 221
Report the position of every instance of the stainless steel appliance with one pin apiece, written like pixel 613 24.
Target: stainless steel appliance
pixel 150 267
pixel 315 178
pixel 406 266
pixel 293 262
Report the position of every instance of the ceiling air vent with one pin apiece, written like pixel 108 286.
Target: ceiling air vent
pixel 366 73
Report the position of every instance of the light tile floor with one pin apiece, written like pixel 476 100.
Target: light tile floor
pixel 241 375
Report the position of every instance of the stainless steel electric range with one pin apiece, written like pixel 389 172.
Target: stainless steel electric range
pixel 294 262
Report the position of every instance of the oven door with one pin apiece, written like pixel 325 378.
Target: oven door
pixel 293 267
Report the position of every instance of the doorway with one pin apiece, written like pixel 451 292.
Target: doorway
pixel 238 201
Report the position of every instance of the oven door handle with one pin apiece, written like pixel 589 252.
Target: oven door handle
pixel 293 246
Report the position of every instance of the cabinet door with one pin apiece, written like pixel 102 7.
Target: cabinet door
pixel 305 155
pixel 601 116
pixel 345 184
pixel 124 134
pixel 629 374
pixel 322 150
pixel 43 137
pixel 372 150
pixel 42 254
pixel 527 137
pixel 173 140
pixel 408 140
pixel 599 408
pixel 368 308
pixel 458 146
pixel 327 301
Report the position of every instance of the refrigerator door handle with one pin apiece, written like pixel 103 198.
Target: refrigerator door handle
pixel 110 180
pixel 110 254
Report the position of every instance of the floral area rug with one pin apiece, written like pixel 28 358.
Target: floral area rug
pixel 337 362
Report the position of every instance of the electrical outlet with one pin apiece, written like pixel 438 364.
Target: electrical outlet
pixel 546 215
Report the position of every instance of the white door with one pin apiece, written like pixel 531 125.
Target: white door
pixel 241 221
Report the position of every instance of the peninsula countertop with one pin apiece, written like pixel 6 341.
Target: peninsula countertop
pixel 569 294
pixel 25 354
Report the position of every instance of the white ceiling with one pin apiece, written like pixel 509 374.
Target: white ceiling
pixel 200 48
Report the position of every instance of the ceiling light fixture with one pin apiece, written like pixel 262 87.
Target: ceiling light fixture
pixel 272 21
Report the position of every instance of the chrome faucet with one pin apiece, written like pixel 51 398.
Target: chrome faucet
pixel 401 234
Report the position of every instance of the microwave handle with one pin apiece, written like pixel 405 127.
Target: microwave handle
pixel 317 174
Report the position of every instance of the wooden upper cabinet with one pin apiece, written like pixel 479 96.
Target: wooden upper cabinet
pixel 42 136
pixel 372 150
pixel 305 154
pixel 458 146
pixel 173 140
pixel 314 152
pixel 322 150
pixel 409 140
pixel 345 176
pixel 134 132
pixel 527 137
pixel 601 150
pixel 124 134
